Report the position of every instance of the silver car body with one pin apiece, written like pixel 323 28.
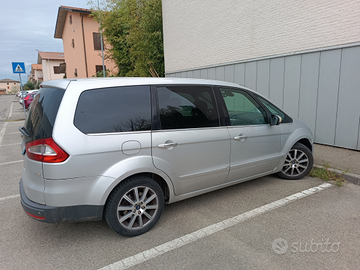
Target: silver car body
pixel 219 156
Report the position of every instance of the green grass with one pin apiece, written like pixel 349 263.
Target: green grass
pixel 328 175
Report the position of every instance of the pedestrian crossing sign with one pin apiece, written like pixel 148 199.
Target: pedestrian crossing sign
pixel 18 67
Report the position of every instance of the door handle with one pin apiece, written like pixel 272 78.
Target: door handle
pixel 167 145
pixel 241 137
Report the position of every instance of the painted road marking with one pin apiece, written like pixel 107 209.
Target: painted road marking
pixel 10 197
pixel 11 162
pixel 202 233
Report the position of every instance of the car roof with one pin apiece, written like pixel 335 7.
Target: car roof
pixel 127 81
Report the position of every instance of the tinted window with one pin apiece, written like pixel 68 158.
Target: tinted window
pixel 41 117
pixel 117 109
pixel 275 110
pixel 242 108
pixel 187 107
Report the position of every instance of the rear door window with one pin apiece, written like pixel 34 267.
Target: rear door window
pixel 187 107
pixel 116 109
pixel 41 117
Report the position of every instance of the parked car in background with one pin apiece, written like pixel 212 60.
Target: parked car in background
pixel 29 98
pixel 121 148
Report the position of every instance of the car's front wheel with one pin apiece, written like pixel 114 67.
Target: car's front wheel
pixel 134 206
pixel 298 163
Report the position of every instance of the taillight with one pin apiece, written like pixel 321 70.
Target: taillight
pixel 45 150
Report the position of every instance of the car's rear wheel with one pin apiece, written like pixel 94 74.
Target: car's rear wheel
pixel 135 206
pixel 298 163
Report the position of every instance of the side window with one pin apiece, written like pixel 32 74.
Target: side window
pixel 242 108
pixel 275 110
pixel 187 107
pixel 116 109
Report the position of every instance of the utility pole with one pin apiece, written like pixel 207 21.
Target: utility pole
pixel 101 42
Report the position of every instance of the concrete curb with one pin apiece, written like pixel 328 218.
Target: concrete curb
pixel 349 177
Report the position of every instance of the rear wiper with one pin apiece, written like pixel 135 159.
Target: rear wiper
pixel 24 131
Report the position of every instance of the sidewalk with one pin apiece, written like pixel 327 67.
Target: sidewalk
pixel 338 159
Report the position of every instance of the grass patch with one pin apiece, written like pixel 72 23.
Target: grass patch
pixel 328 175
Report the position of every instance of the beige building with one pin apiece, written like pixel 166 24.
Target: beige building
pixel 8 86
pixel 81 42
pixel 50 62
pixel 36 73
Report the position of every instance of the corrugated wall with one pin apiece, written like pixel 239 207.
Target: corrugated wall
pixel 322 88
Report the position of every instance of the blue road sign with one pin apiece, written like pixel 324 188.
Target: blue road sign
pixel 18 67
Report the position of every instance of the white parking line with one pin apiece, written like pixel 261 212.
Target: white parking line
pixel 192 237
pixel 2 132
pixel 11 162
pixel 10 197
pixel 10 144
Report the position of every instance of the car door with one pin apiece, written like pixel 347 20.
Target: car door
pixel 255 145
pixel 190 145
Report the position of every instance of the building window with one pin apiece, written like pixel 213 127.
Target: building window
pixel 99 68
pixel 70 19
pixel 97 41
pixel 56 70
pixel 73 43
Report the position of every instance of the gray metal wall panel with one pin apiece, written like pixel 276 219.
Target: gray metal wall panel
pixel 220 73
pixel 321 88
pixel 292 85
pixel 211 74
pixel 327 96
pixel 309 82
pixel 347 126
pixel 240 74
pixel 204 73
pixel 263 77
pixel 196 74
pixel 277 81
pixel 250 75
pixel 190 74
pixel 229 73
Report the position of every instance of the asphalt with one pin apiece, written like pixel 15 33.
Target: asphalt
pixel 345 162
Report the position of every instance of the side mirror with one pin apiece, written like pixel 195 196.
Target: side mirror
pixel 275 120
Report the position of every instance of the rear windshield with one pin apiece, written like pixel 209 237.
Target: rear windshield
pixel 41 117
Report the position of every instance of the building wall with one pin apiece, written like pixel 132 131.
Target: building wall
pixel 10 87
pixel 199 33
pixel 75 50
pixel 320 87
pixel 303 55
pixel 48 69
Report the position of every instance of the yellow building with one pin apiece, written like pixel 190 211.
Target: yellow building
pixel 8 86
pixel 81 42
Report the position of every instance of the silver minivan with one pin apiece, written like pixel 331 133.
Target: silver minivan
pixel 121 148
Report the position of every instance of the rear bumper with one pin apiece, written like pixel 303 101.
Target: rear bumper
pixel 76 213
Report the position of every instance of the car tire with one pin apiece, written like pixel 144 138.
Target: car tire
pixel 134 206
pixel 298 163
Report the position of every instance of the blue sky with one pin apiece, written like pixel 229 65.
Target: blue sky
pixel 27 26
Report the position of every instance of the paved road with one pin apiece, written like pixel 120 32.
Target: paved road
pixel 253 225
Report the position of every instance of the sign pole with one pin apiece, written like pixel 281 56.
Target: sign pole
pixel 21 91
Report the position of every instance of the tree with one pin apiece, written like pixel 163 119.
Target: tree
pixel 29 85
pixel 38 84
pixel 133 29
